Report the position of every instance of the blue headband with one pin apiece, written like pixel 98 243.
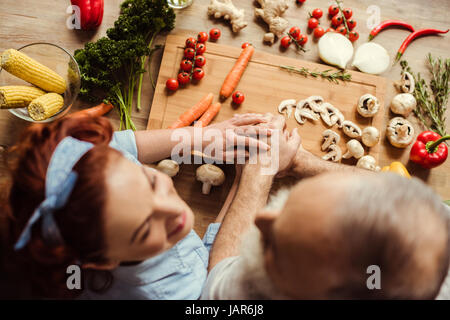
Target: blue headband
pixel 59 183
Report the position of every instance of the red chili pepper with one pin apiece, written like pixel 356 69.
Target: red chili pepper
pixel 91 13
pixel 388 23
pixel 429 150
pixel 414 35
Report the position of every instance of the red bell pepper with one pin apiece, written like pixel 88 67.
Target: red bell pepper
pixel 429 150
pixel 91 13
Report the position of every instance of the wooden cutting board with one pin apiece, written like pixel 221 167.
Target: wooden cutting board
pixel 265 85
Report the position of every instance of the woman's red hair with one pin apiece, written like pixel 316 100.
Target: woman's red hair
pixel 80 221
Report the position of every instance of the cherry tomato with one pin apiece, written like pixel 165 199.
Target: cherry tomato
pixel 312 23
pixel 300 1
pixel 200 48
pixel 351 24
pixel 342 30
pixel 238 97
pixel 333 10
pixel 285 42
pixel 172 84
pixel 353 36
pixel 303 39
pixel 336 21
pixel 186 65
pixel 183 78
pixel 200 61
pixel 202 37
pixel 245 45
pixel 198 74
pixel 318 32
pixel 317 13
pixel 214 33
pixel 348 13
pixel 191 42
pixel 330 30
pixel 189 53
pixel 295 32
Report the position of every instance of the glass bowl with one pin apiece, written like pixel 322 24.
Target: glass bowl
pixel 59 60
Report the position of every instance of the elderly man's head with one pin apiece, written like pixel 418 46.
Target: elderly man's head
pixel 333 227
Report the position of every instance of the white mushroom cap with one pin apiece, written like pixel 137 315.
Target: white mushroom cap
pixel 169 167
pixel 368 105
pixel 330 137
pixel 351 129
pixel 370 136
pixel 288 105
pixel 368 162
pixel 210 175
pixel 354 149
pixel 403 104
pixel 334 154
pixel 400 132
pixel 406 83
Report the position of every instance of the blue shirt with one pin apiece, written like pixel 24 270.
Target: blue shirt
pixel 179 273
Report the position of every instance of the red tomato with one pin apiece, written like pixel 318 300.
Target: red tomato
pixel 172 84
pixel 183 78
pixel 191 42
pixel 317 13
pixel 312 23
pixel 342 30
pixel 186 65
pixel 200 48
pixel 333 10
pixel 351 24
pixel 353 36
pixel 198 74
pixel 285 42
pixel 189 53
pixel 318 32
pixel 295 32
pixel 348 13
pixel 303 39
pixel 202 37
pixel 330 30
pixel 336 21
pixel 245 45
pixel 200 61
pixel 214 33
pixel 238 97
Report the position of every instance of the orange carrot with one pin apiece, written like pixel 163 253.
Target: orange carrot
pixel 208 115
pixel 193 113
pixel 232 79
pixel 97 111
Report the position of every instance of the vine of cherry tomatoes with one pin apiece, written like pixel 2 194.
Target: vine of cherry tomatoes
pixel 342 22
pixel 294 36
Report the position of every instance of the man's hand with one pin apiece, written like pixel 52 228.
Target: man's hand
pixel 289 146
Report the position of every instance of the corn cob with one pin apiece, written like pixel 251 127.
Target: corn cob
pixel 18 96
pixel 25 68
pixel 45 106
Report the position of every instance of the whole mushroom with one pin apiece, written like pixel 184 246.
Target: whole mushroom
pixel 403 104
pixel 400 132
pixel 354 149
pixel 210 175
pixel 368 162
pixel 169 167
pixel 370 136
pixel 368 105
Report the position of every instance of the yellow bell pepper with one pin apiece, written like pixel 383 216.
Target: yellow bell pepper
pixel 397 167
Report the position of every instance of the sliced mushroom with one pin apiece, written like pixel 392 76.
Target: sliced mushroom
pixel 400 132
pixel 406 84
pixel 331 115
pixel 288 105
pixel 354 149
pixel 370 136
pixel 368 163
pixel 351 129
pixel 169 167
pixel 368 105
pixel 403 104
pixel 334 154
pixel 304 110
pixel 316 103
pixel 210 175
pixel 330 137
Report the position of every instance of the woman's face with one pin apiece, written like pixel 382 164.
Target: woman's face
pixel 143 215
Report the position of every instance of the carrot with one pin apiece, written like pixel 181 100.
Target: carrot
pixel 232 79
pixel 208 115
pixel 193 113
pixel 97 111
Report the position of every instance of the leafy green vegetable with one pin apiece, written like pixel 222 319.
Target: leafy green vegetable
pixel 112 68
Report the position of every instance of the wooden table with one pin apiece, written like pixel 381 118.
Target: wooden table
pixel 25 21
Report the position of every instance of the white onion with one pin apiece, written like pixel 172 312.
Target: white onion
pixel 335 49
pixel 371 57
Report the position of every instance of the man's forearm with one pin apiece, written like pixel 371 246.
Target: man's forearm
pixel 251 196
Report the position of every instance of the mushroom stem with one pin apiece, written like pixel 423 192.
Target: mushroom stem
pixel 206 188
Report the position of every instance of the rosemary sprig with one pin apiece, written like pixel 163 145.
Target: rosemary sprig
pixel 341 11
pixel 332 77
pixel 297 44
pixel 432 98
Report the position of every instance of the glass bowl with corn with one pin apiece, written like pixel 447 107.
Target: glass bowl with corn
pixel 38 82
